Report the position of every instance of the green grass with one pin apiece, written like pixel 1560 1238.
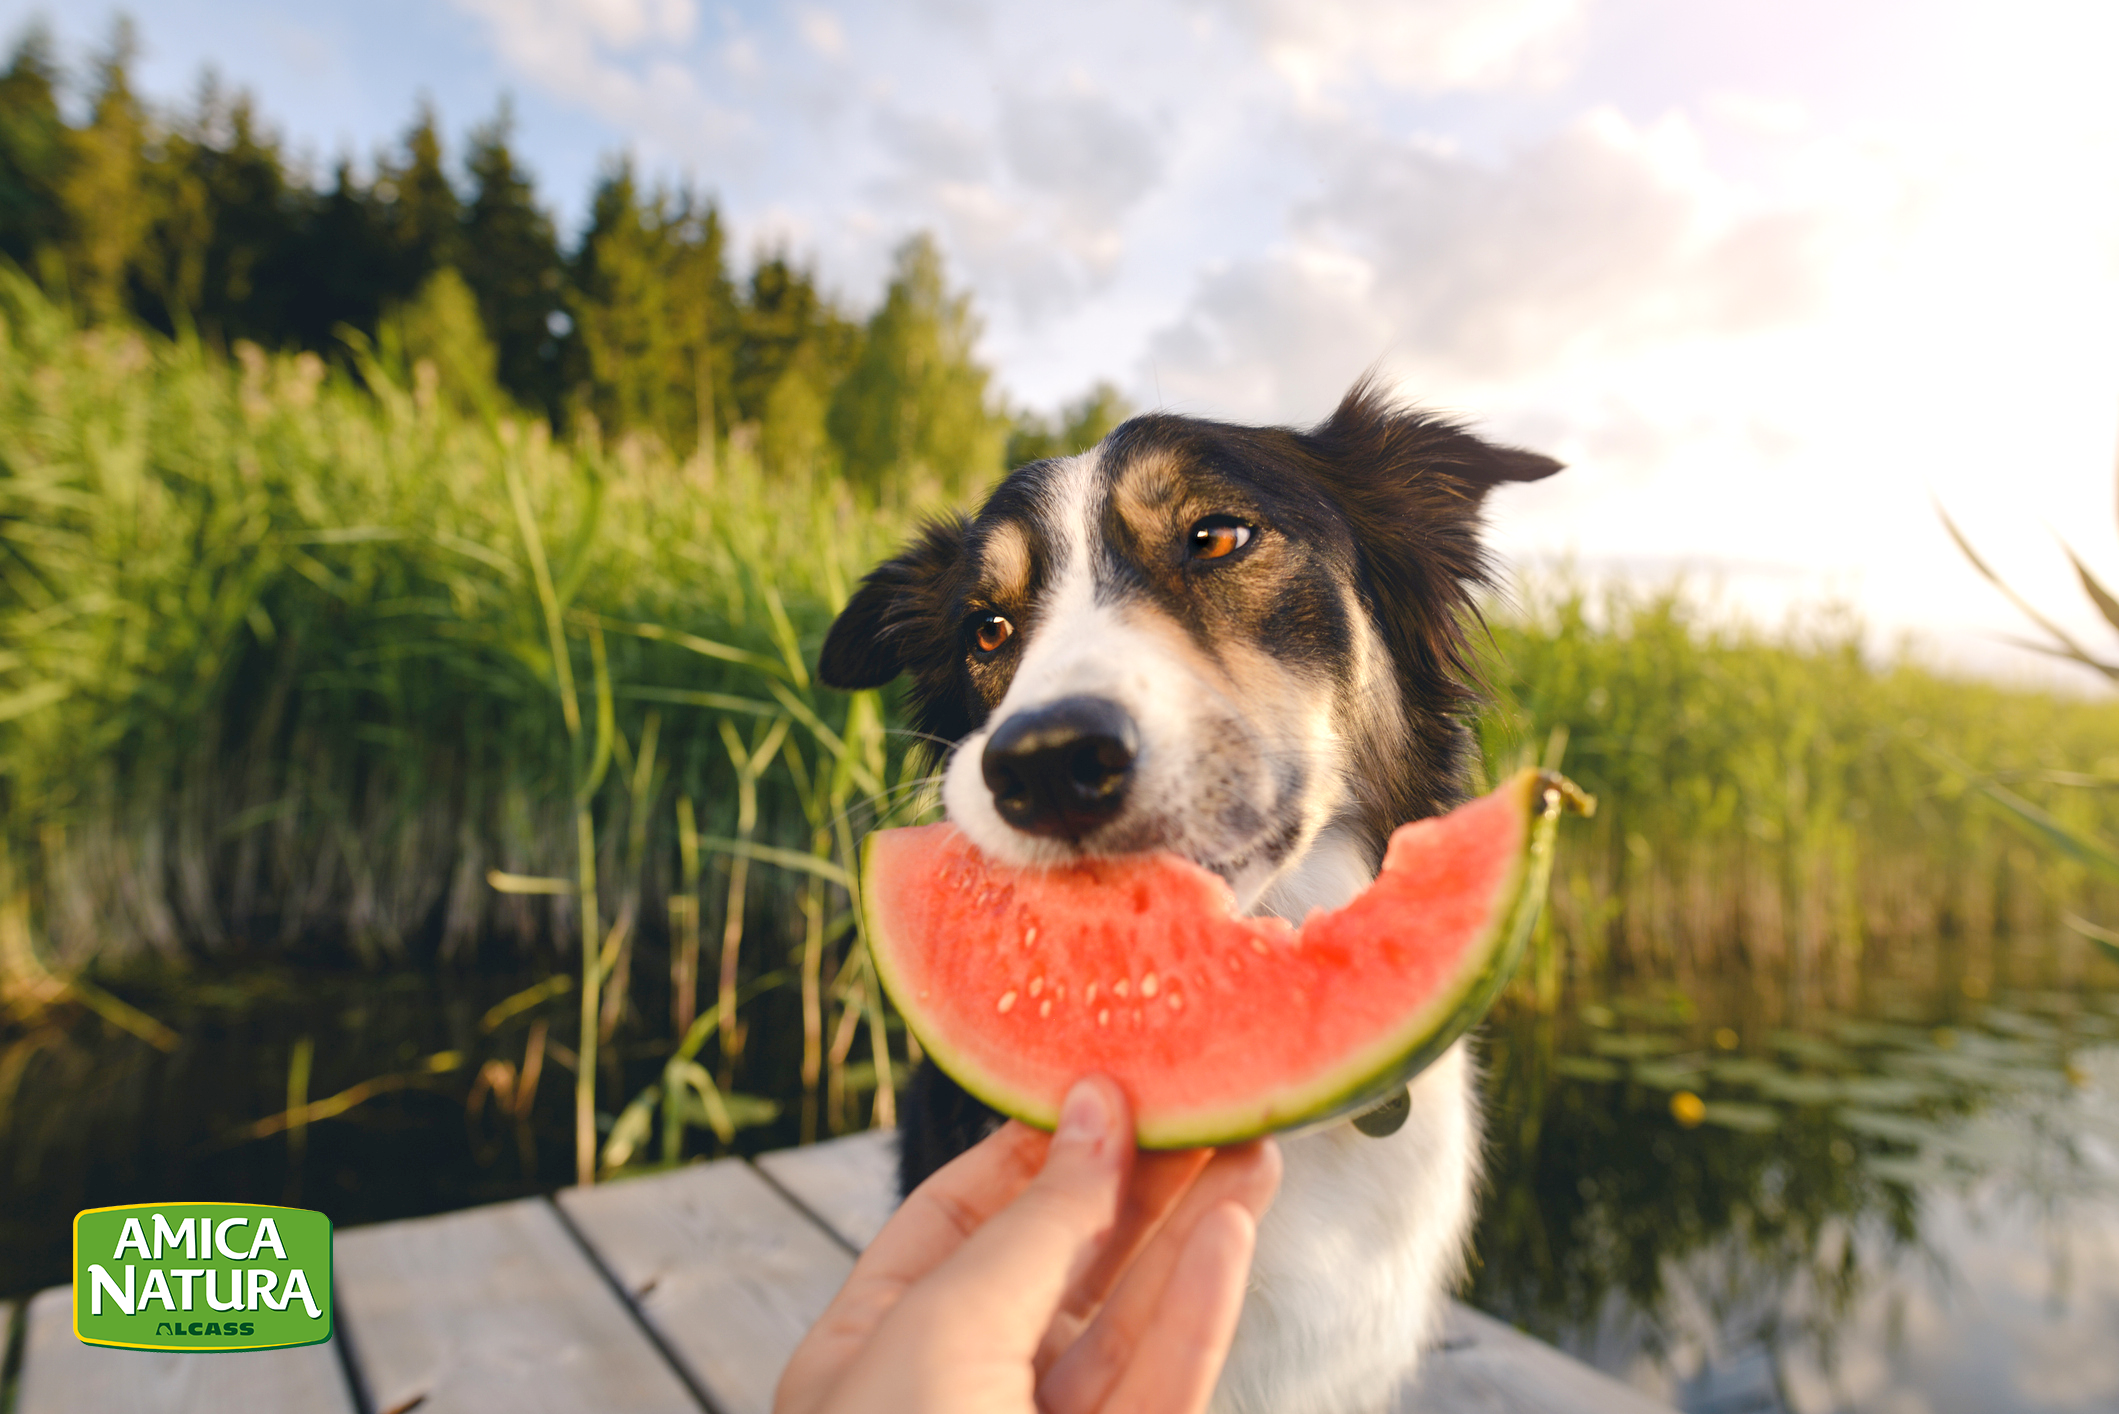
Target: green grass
pixel 302 664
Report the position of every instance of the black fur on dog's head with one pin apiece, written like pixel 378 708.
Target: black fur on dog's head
pixel 1323 665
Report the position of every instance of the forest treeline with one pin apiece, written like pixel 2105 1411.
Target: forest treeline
pixel 196 221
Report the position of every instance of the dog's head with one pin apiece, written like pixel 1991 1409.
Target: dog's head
pixel 1215 640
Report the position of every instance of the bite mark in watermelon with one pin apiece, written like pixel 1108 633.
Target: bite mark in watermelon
pixel 1219 1028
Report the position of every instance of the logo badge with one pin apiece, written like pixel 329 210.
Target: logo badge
pixel 202 1276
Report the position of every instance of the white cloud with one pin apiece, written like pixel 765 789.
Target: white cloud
pixel 933 147
pixel 740 56
pixel 822 32
pixel 1425 45
pixel 1607 237
pixel 1275 339
pixel 619 24
pixel 621 60
pixel 1080 149
pixel 1033 203
pixel 1760 114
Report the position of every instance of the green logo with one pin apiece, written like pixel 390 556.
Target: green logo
pixel 202 1276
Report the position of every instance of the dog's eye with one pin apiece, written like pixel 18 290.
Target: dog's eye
pixel 990 631
pixel 1215 537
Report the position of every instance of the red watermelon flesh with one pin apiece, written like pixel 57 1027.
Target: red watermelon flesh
pixel 1220 1028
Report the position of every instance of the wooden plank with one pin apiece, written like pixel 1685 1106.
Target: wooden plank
pixel 493 1309
pixel 1484 1366
pixel 727 1271
pixel 851 1184
pixel 60 1375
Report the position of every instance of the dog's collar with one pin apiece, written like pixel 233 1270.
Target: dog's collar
pixel 1387 1118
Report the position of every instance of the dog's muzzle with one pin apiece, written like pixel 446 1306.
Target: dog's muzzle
pixel 1061 769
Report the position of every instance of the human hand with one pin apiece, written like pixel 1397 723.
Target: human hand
pixel 1052 1272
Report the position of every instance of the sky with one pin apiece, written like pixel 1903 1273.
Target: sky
pixel 1776 279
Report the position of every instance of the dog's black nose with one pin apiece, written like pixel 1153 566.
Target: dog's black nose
pixel 1061 769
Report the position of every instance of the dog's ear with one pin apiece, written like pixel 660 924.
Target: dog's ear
pixel 1373 435
pixel 896 621
pixel 1489 463
pixel 1411 486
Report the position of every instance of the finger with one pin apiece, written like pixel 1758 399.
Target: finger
pixel 1083 1377
pixel 956 1201
pixel 929 1227
pixel 1181 1354
pixel 1017 1267
pixel 1159 1182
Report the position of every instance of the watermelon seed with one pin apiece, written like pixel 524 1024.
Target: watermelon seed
pixel 1030 935
pixel 1044 1008
pixel 1120 987
pixel 1147 985
pixel 1037 984
pixel 1258 945
pixel 1007 1001
pixel 1089 997
pixel 1177 1002
pixel 1103 1017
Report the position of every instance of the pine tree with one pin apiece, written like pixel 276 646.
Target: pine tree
pixel 512 263
pixel 1081 425
pixel 702 304
pixel 222 251
pixel 622 322
pixel 794 349
pixel 651 303
pixel 33 145
pixel 914 403
pixel 103 189
pixel 422 216
pixel 343 271
pixel 438 335
pixel 786 320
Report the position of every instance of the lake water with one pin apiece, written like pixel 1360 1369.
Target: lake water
pixel 1903 1201
pixel 1906 1207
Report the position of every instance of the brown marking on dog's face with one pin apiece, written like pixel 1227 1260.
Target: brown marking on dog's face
pixel 1157 499
pixel 1149 493
pixel 1212 616
pixel 1004 564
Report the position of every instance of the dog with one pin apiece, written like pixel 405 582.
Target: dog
pixel 1248 646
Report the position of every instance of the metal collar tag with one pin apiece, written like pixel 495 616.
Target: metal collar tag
pixel 1388 1117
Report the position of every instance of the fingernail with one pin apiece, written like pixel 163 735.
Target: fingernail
pixel 1084 1115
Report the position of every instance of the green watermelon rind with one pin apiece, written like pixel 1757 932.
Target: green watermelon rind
pixel 1364 1077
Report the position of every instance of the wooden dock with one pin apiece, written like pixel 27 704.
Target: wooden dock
pixel 662 1295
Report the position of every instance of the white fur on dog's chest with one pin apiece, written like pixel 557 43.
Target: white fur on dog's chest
pixel 1359 1250
pixel 1356 1256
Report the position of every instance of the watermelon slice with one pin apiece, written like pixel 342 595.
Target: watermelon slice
pixel 1219 1028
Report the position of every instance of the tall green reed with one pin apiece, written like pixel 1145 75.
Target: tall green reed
pixel 2096 853
pixel 301 663
pixel 1770 800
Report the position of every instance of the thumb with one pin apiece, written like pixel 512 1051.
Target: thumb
pixel 1019 1265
